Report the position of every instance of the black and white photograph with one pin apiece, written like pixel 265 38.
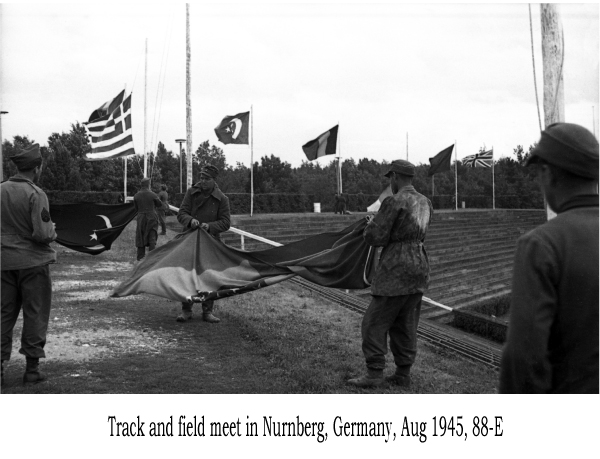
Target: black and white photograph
pixel 300 228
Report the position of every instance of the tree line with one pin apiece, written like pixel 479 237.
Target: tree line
pixel 65 169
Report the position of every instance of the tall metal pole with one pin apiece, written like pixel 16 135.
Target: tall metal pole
pixel 180 141
pixel 145 107
pixel 1 157
pixel 493 183
pixel 407 146
pixel 251 160
pixel 339 146
pixel 188 96
pixel 553 60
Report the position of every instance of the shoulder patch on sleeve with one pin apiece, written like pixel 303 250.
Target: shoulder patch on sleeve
pixel 45 215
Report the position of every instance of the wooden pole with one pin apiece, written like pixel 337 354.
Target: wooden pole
pixel 188 96
pixel 553 61
pixel 455 176
pixel 493 183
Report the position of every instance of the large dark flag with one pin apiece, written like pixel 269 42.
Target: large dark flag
pixel 195 266
pixel 323 145
pixel 441 161
pixel 234 129
pixel 90 228
pixel 483 159
pixel 109 129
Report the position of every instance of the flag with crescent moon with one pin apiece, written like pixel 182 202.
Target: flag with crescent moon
pixel 234 129
pixel 90 228
pixel 325 144
pixel 194 266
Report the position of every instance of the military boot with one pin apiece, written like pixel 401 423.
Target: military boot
pixel 399 378
pixel 208 317
pixel 373 378
pixel 32 373
pixel 185 316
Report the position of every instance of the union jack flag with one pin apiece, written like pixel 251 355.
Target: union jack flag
pixel 483 159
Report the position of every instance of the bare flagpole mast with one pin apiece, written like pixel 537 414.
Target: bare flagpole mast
pixel 125 164
pixel 188 101
pixel 493 183
pixel 145 122
pixel 339 145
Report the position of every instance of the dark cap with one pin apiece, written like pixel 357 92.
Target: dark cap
pixel 28 158
pixel 569 147
pixel 145 180
pixel 209 170
pixel 400 166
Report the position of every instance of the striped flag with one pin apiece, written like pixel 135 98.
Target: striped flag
pixel 323 145
pixel 109 129
pixel 484 159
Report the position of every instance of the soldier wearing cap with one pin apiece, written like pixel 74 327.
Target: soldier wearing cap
pixel 552 343
pixel 26 233
pixel 204 206
pixel 146 202
pixel 401 278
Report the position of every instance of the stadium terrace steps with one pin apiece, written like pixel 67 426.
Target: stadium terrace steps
pixel 470 251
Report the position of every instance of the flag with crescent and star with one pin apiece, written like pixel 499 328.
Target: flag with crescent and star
pixel 441 161
pixel 90 228
pixel 234 129
pixel 323 145
pixel 194 266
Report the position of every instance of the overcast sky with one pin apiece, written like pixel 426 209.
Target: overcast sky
pixel 440 73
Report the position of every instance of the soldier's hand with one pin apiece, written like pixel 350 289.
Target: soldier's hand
pixel 194 223
pixel 204 226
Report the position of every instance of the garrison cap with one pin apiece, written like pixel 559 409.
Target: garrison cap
pixel 401 166
pixel 28 158
pixel 209 170
pixel 569 147
pixel 145 180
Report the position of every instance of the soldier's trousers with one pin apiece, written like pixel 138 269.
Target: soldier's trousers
pixel 161 220
pixel 207 306
pixel 30 290
pixel 397 316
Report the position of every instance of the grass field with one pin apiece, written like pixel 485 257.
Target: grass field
pixel 282 339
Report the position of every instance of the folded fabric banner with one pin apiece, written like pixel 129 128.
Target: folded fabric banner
pixel 90 228
pixel 196 267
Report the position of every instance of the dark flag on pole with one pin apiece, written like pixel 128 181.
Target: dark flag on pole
pixel 441 161
pixel 90 228
pixel 323 145
pixel 234 129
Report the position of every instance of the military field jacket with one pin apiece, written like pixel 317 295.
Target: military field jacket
pixel 400 227
pixel 27 228
pixel 212 209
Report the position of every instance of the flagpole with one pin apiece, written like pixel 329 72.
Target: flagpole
pixel 493 183
pixel 125 162
pixel 145 122
pixel 455 176
pixel 251 160
pixel 339 146
pixel 407 149
pixel 188 97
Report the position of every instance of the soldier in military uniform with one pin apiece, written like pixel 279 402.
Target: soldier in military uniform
pixel 552 342
pixel 161 212
pixel 401 278
pixel 204 206
pixel 146 202
pixel 26 233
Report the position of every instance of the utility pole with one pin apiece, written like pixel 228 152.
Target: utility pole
pixel 188 96
pixel 180 141
pixel 553 57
